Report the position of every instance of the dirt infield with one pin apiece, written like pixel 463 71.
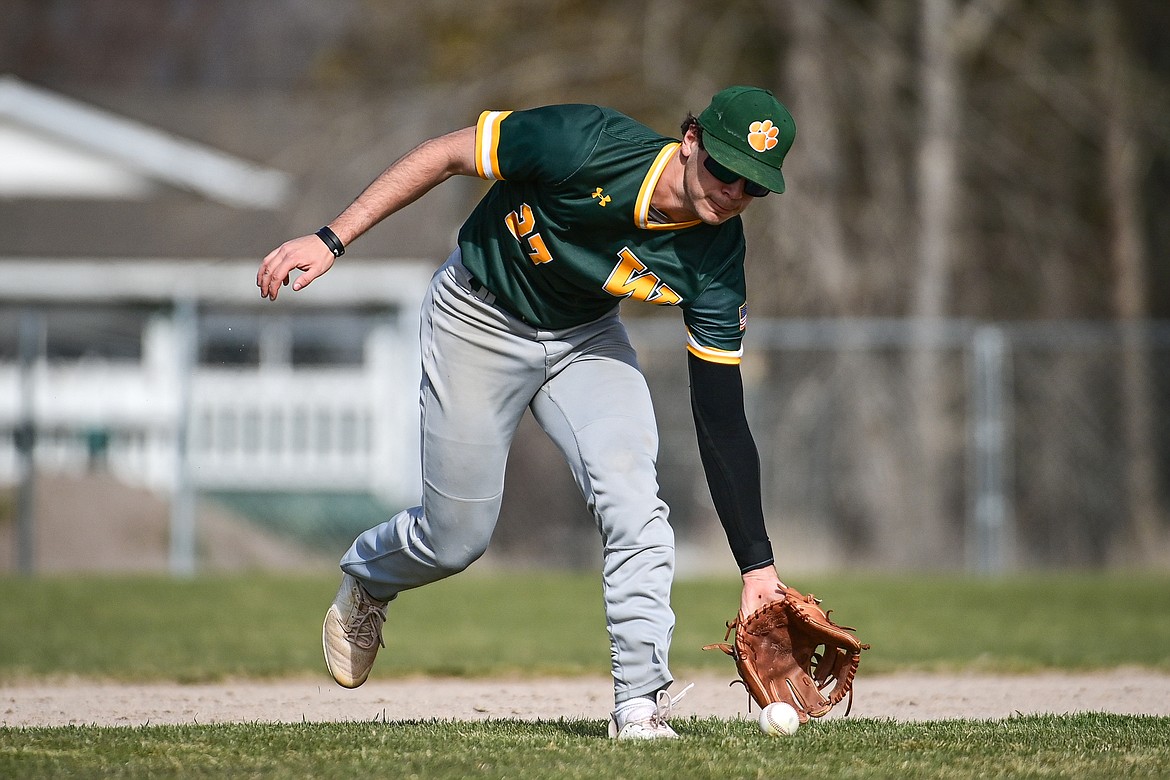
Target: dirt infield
pixel 902 697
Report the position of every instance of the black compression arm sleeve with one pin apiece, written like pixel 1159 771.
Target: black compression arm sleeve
pixel 730 459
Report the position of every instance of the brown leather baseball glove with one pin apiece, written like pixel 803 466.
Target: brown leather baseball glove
pixel 789 650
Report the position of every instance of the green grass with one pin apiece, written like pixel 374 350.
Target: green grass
pixel 1080 746
pixel 213 628
pixel 208 628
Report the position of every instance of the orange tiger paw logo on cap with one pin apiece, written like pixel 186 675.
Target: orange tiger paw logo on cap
pixel 763 135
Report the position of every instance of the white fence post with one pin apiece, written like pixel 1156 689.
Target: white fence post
pixel 991 533
pixel 32 335
pixel 185 334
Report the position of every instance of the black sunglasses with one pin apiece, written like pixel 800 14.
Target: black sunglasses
pixel 728 176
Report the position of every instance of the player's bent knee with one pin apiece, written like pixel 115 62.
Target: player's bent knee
pixel 457 531
pixel 453 559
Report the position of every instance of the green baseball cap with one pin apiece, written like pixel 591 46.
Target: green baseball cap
pixel 747 130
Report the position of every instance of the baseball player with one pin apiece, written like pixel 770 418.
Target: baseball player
pixel 588 208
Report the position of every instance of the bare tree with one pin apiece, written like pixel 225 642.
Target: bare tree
pixel 1123 162
pixel 950 33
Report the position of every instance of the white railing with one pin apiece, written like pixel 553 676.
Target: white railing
pixel 352 429
pixel 266 427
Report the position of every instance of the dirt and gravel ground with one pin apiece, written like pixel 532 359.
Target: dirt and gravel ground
pixel 902 697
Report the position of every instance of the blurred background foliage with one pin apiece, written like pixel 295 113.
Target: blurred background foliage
pixel 1031 136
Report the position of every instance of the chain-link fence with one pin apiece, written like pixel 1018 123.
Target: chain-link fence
pixel 941 445
pixel 883 443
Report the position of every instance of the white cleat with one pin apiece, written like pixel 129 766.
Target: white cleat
pixel 647 721
pixel 352 633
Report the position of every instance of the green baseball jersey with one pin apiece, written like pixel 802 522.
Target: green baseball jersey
pixel 566 232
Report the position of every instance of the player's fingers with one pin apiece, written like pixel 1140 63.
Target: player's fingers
pixel 277 277
pixel 278 274
pixel 310 272
pixel 263 271
pixel 304 280
pixel 267 277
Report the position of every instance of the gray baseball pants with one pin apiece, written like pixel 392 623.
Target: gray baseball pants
pixel 482 367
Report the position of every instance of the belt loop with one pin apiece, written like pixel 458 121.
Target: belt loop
pixel 479 290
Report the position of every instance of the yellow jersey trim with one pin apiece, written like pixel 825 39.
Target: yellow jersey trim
pixel 646 192
pixel 487 144
pixel 713 355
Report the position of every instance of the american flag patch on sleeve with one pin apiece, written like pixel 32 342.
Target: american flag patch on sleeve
pixel 743 317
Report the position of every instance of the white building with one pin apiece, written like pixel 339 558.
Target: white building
pixel 117 361
pixel 110 361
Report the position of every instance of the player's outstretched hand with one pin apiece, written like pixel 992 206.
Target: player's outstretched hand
pixel 759 587
pixel 307 254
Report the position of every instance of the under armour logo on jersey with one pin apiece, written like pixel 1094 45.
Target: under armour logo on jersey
pixel 601 199
pixel 763 135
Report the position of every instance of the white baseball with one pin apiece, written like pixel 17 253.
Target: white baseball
pixel 779 718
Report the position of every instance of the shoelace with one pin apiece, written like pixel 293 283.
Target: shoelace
pixel 364 626
pixel 665 705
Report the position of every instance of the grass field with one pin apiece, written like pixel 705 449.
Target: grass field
pixel 541 623
pixel 205 629
pixel 1084 746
